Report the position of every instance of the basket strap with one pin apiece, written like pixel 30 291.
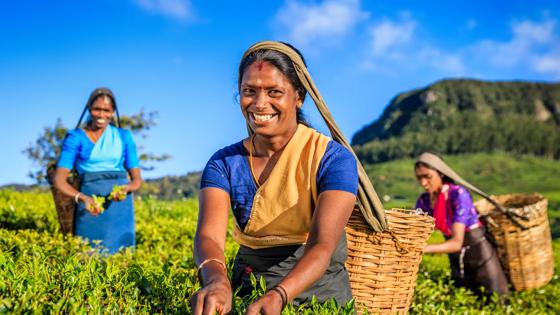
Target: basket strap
pixel 437 163
pixel 81 117
pixel 368 201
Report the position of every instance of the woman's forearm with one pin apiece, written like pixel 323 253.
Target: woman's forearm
pixel 212 271
pixel 135 180
pixel 450 246
pixel 453 244
pixel 134 185
pixel 62 185
pixel 309 269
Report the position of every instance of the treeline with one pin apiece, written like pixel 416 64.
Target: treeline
pixel 467 133
pixel 172 187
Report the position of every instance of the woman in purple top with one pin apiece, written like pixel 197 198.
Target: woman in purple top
pixel 474 262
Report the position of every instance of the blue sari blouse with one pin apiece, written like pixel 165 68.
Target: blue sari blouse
pixel 115 150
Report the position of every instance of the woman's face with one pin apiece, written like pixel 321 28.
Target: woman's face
pixel 429 179
pixel 101 112
pixel 268 100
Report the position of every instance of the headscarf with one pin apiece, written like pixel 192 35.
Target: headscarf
pixel 438 164
pixel 369 203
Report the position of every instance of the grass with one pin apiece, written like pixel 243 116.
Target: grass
pixel 43 272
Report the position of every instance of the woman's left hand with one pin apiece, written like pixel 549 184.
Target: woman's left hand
pixel 270 303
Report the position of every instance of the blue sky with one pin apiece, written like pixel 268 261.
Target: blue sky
pixel 179 57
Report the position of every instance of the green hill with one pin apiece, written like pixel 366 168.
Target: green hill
pixel 466 116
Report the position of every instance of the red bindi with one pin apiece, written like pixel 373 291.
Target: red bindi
pixel 260 65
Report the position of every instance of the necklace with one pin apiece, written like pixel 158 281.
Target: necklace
pixel 251 144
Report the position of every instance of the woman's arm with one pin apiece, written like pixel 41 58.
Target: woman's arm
pixel 453 244
pixel 329 219
pixel 209 243
pixel 135 180
pixel 60 183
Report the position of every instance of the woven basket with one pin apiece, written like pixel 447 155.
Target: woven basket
pixel 525 251
pixel 383 265
pixel 65 205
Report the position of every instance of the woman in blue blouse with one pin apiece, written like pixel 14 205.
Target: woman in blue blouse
pixel 104 156
pixel 291 190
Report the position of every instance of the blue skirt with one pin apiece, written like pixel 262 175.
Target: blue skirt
pixel 114 228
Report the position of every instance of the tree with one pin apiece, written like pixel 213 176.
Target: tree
pixel 47 146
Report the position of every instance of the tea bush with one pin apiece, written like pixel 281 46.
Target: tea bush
pixel 42 271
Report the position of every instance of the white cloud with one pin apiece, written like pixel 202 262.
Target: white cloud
pixel 445 62
pixel 549 64
pixel 533 48
pixel 389 35
pixel 534 45
pixel 318 23
pixel 181 9
pixel 394 46
pixel 534 32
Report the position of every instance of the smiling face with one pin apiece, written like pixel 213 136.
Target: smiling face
pixel 268 100
pixel 101 112
pixel 429 179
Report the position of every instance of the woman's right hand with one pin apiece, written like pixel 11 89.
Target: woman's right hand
pixel 215 297
pixel 91 207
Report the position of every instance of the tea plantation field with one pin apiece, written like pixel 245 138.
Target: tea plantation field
pixel 43 272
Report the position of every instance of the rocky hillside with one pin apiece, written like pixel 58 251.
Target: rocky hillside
pixel 466 116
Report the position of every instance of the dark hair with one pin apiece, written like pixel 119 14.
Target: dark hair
pixel 282 63
pixel 99 92
pixel 444 178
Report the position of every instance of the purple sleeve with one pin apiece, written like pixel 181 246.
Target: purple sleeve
pixel 423 203
pixel 420 204
pixel 462 205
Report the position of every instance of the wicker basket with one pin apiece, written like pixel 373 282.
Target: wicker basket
pixel 525 251
pixel 383 265
pixel 65 206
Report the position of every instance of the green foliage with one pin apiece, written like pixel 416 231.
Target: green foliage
pixel 172 187
pixel 435 293
pixel 466 116
pixel 46 149
pixel 43 271
pixel 49 143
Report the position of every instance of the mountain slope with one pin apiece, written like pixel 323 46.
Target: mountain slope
pixel 465 116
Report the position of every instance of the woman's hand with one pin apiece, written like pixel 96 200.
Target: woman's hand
pixel 91 207
pixel 215 297
pixel 270 303
pixel 127 189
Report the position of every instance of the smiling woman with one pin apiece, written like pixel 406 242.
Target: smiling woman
pixel 104 156
pixel 291 189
